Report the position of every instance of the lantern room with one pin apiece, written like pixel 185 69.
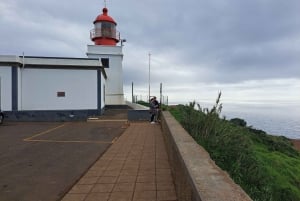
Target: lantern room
pixel 105 32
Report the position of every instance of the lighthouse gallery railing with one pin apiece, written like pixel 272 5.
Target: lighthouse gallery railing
pixel 106 33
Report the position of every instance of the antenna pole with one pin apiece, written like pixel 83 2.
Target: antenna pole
pixel 149 77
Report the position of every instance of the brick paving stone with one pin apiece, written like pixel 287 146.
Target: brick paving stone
pixel 114 167
pixel 147 167
pixel 166 195
pixel 117 161
pixel 78 188
pixel 164 178
pixel 129 172
pixel 144 195
pixel 146 178
pixel 88 180
pixel 104 161
pixel 126 179
pixel 160 171
pixel 145 187
pixel 132 168
pixel 98 168
pixel 97 197
pixel 93 173
pixel 102 188
pixel 74 197
pixel 114 173
pixel 163 186
pixel 149 162
pixel 124 187
pixel 121 196
pixel 107 180
pixel 146 172
pixel 162 164
pixel 135 168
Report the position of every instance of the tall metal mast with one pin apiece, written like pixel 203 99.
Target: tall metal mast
pixel 149 76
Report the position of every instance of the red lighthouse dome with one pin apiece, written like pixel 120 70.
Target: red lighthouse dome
pixel 105 32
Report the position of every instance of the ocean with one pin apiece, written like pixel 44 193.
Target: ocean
pixel 281 119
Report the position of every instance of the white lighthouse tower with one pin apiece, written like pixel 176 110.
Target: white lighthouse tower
pixel 105 38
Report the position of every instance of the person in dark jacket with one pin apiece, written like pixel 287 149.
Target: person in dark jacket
pixel 1 117
pixel 154 107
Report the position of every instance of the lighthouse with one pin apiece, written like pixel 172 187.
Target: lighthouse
pixel 105 38
pixel 104 32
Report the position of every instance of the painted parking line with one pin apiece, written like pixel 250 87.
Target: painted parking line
pixel 31 138
pixel 75 141
pixel 99 119
pixel 44 132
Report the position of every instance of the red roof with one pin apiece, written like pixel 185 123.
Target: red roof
pixel 104 17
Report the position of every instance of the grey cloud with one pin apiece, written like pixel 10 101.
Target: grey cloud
pixel 215 41
pixel 213 34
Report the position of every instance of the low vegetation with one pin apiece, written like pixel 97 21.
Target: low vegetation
pixel 143 103
pixel 162 106
pixel 266 167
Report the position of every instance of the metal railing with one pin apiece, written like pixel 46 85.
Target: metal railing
pixel 136 98
pixel 107 33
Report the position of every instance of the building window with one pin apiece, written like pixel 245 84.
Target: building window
pixel 105 29
pixel 61 94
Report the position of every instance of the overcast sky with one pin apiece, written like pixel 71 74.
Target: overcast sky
pixel 249 49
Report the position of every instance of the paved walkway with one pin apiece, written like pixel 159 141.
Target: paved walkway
pixel 135 167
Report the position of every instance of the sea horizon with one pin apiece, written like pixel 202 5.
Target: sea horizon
pixel 274 119
pixel 279 118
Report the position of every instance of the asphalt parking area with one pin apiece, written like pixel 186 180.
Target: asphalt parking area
pixel 40 161
pixel 81 132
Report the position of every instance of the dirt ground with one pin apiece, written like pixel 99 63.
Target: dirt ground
pixel 296 144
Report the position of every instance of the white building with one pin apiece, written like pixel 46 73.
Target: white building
pixel 48 88
pixel 57 88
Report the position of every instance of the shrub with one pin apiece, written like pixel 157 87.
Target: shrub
pixel 239 122
pixel 266 167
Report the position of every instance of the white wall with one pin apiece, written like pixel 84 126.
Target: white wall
pixel 103 91
pixel 6 87
pixel 114 82
pixel 40 87
pixel 115 75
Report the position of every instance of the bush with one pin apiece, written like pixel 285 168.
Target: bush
pixel 239 122
pixel 266 167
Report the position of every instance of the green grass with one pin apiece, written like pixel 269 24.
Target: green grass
pixel 162 106
pixel 266 167
pixel 143 103
pixel 283 172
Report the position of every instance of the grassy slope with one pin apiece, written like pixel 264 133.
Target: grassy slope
pixel 267 167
